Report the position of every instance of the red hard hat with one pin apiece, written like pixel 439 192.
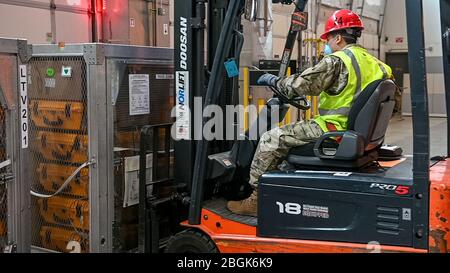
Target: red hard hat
pixel 342 19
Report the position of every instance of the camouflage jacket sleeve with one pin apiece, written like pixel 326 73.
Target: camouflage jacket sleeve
pixel 329 75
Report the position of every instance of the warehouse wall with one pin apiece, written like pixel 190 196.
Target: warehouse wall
pixel 394 36
pixel 369 38
pixel 138 22
pixel 395 27
pixel 32 20
pixel 65 30
pixel 149 22
pixel 116 22
pixel 139 19
pixel 171 24
pixel 258 43
pixel 435 66
pixel 34 25
pixel 281 16
pixel 280 26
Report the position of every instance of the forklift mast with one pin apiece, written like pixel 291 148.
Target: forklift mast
pixel 421 120
pixel 193 70
pixel 195 78
pixel 189 62
pixel 214 89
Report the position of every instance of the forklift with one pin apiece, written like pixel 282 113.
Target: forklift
pixel 332 197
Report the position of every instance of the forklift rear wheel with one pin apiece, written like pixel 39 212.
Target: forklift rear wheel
pixel 191 241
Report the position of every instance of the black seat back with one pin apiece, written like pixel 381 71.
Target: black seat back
pixel 372 111
pixel 368 121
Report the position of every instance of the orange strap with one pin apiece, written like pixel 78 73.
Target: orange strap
pixel 332 128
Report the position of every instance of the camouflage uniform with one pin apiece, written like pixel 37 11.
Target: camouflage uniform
pixel 276 144
pixel 329 74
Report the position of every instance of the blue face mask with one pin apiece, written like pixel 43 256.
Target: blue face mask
pixel 328 50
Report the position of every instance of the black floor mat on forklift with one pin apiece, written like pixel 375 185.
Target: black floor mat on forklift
pixel 219 206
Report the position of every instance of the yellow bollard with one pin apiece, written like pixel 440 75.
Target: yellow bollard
pixel 315 107
pixel 246 97
pixel 261 104
pixel 288 118
pixel 308 114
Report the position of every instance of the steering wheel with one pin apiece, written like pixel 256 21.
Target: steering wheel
pixel 299 102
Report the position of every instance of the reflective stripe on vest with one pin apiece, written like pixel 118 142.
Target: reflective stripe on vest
pixel 345 111
pixel 385 74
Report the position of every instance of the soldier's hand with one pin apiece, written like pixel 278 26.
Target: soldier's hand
pixel 268 80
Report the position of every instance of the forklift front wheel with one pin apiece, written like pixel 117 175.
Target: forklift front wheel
pixel 190 241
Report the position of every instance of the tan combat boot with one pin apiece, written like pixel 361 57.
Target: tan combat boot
pixel 247 207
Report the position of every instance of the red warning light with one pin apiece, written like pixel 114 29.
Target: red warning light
pixel 101 6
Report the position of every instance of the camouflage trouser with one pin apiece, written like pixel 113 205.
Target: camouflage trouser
pixel 275 145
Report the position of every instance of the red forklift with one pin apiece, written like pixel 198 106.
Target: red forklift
pixel 351 196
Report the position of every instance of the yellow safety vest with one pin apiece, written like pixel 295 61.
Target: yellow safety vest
pixel 363 69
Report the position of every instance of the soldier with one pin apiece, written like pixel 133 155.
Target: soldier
pixel 398 102
pixel 339 78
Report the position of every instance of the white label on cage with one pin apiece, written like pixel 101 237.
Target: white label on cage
pixel 66 71
pixel 132 22
pixel 50 82
pixel 164 76
pixel 139 94
pixel 182 106
pixel 23 106
pixel 131 193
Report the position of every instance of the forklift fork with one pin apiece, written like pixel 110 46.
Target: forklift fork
pixel 148 232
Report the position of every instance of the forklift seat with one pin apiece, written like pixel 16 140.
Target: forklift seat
pixel 367 125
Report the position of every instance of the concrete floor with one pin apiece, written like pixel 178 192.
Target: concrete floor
pixel 400 134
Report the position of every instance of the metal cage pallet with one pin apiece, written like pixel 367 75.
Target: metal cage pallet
pixel 87 105
pixel 14 187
